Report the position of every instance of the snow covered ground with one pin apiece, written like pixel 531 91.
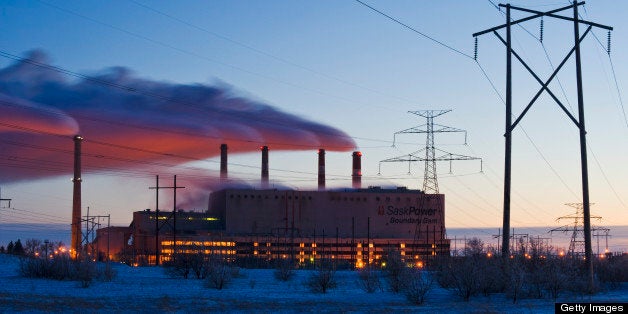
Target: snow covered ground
pixel 149 289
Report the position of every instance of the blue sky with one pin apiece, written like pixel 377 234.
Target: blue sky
pixel 339 63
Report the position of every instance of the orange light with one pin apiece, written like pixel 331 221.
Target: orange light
pixel 419 264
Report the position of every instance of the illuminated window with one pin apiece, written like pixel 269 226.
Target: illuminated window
pixel 402 245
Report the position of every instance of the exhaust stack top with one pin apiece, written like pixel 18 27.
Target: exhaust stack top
pixel 223 162
pixel 76 200
pixel 264 167
pixel 356 176
pixel 321 169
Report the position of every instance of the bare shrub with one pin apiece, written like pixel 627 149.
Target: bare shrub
pixel 490 275
pixel 284 270
pixel 85 272
pixel 185 265
pixel 62 267
pixel 219 274
pixel 556 277
pixel 394 271
pixel 612 271
pixel 322 279
pixel 108 273
pixel 473 273
pixel 460 275
pixel 417 283
pixel 179 266
pixel 516 279
pixel 369 280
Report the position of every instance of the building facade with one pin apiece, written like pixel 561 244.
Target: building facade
pixel 354 226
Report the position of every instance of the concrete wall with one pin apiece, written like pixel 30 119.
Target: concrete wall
pixel 392 213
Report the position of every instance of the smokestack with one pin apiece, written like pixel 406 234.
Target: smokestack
pixel 76 202
pixel 223 162
pixel 321 169
pixel 264 167
pixel 356 176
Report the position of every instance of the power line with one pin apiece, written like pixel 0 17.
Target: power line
pixel 265 53
pixel 415 30
pixel 153 95
pixel 199 56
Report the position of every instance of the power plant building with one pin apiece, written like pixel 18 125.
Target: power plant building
pixel 357 226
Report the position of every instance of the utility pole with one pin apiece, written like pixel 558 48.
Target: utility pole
pixel 173 216
pixel 91 223
pixel 156 188
pixel 578 38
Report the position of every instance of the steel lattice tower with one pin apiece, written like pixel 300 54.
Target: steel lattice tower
pixel 430 177
pixel 430 181
pixel 576 242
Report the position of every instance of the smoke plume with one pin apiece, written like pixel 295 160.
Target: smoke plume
pixel 132 124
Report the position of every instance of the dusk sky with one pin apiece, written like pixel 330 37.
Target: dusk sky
pixel 298 76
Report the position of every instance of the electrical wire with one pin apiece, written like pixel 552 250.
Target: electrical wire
pixel 202 57
pixel 267 54
pixel 415 30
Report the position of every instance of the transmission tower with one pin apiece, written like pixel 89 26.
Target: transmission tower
pixel 578 38
pixel 576 243
pixel 428 154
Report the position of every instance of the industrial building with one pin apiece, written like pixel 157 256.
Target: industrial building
pixel 358 226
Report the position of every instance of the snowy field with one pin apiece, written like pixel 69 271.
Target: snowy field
pixel 148 289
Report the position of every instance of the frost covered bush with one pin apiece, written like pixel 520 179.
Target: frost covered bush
pixel 219 274
pixel 612 271
pixel 284 270
pixel 416 284
pixel 322 279
pixel 394 271
pixel 369 280
pixel 62 267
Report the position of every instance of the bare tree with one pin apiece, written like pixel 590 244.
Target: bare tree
pixel 417 283
pixel 32 246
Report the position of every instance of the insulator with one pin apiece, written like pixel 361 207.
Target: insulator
pixel 475 51
pixel 608 43
pixel 541 31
